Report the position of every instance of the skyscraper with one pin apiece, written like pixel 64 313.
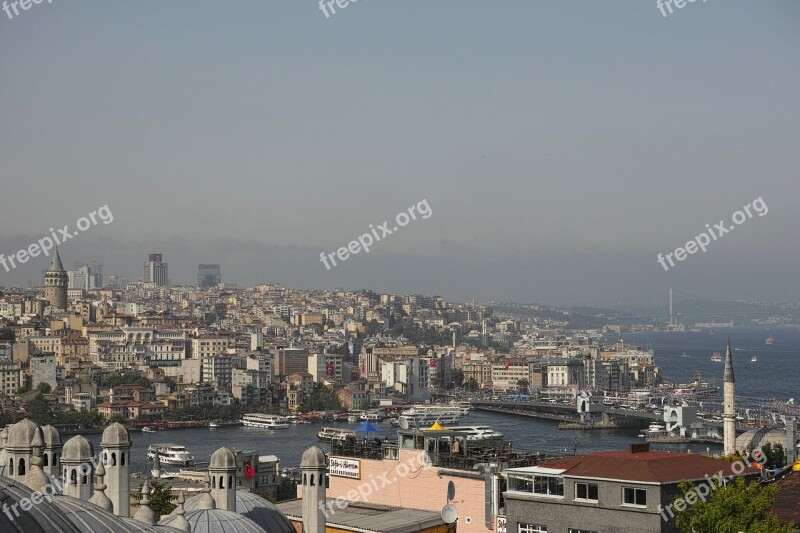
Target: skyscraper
pixel 729 411
pixel 208 275
pixel 155 271
pixel 55 283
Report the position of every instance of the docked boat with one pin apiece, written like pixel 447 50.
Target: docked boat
pixel 149 429
pixel 372 417
pixel 260 420
pixel 655 427
pixel 352 419
pixel 171 454
pixel 716 357
pixel 331 434
pixel 478 433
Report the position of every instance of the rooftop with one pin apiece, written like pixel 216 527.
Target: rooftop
pixel 369 517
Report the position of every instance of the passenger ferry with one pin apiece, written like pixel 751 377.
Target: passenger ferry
pixel 329 434
pixel 716 357
pixel 260 420
pixel 478 433
pixel 171 454
pixel 428 414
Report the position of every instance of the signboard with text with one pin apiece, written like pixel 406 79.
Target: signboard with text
pixel 339 467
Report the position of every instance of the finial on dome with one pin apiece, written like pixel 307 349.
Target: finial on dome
pixel 180 522
pixel 99 497
pixel 145 514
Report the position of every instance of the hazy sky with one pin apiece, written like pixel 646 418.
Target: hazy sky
pixel 560 145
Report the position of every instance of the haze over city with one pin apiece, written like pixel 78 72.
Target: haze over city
pixel 561 146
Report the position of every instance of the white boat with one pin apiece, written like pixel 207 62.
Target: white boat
pixel 171 454
pixel 374 417
pixel 478 433
pixel 340 434
pixel 655 427
pixel 754 359
pixel 716 357
pixel 260 420
pixel 770 340
pixel 352 419
pixel 428 414
pixel 148 429
pixel 213 424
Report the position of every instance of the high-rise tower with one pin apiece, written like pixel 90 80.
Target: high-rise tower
pixel 56 282
pixel 729 411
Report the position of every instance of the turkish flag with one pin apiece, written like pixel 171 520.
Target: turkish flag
pixel 248 469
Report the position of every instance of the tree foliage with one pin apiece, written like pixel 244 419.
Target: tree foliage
pixel 160 498
pixel 321 399
pixel 128 378
pixel 739 506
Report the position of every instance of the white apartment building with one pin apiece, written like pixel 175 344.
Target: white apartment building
pixel 325 366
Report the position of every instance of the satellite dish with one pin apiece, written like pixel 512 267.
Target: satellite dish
pixel 449 514
pixel 451 490
pixel 403 421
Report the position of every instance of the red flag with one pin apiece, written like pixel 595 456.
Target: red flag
pixel 248 469
pixel 507 364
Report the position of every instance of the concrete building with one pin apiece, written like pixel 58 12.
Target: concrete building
pixel 208 275
pixel 327 366
pixel 43 370
pixel 155 270
pixel 605 491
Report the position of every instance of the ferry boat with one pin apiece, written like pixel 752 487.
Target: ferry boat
pixel 340 434
pixel 655 427
pixel 754 359
pixel 716 357
pixel 770 340
pixel 149 429
pixel 260 420
pixel 428 414
pixel 373 417
pixel 697 390
pixel 478 433
pixel 171 454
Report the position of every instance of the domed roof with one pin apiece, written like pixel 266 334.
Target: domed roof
pixel 754 438
pixel 254 507
pixel 115 434
pixel 21 434
pixel 77 448
pixel 92 518
pixel 221 459
pixel 216 521
pixel 43 518
pixel 313 456
pixel 51 436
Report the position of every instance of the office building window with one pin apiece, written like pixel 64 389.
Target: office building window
pixel 531 528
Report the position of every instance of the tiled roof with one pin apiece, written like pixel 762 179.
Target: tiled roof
pixel 648 467
pixel 786 499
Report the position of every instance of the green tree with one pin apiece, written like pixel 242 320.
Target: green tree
pixel 287 490
pixel 321 399
pixel 160 498
pixel 471 385
pixel 739 506
pixel 776 455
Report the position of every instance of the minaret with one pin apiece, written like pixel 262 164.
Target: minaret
pixel 222 470
pixel 56 282
pixel 116 446
pixel 52 451
pixel 313 472
pixel 729 411
pixel 155 472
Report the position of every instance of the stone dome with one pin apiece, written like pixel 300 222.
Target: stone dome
pixel 223 458
pixel 93 518
pixel 216 521
pixel 77 448
pixel 115 434
pixel 749 440
pixel 313 456
pixel 43 518
pixel 254 507
pixel 21 434
pixel 51 436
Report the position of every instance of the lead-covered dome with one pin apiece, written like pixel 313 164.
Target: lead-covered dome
pixel 222 459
